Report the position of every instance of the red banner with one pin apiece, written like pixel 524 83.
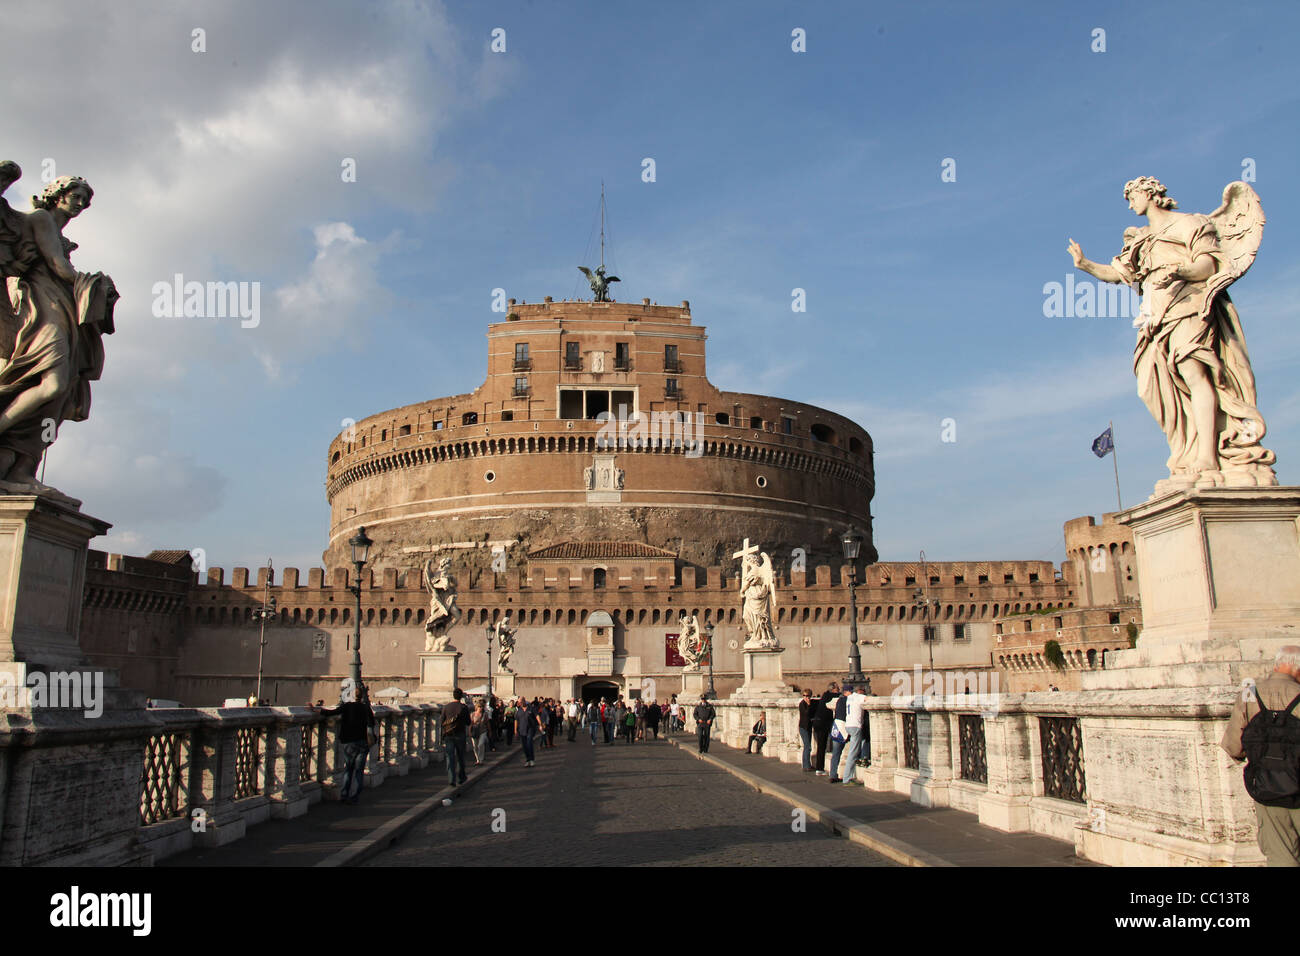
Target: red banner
pixel 671 657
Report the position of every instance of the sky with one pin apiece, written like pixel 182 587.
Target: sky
pixel 916 169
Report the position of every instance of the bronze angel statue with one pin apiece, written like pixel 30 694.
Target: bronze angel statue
pixel 1193 371
pixel 599 282
pixel 52 322
pixel 758 600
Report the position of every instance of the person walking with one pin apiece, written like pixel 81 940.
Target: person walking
pixel 629 721
pixel 823 719
pixel 509 725
pixel 455 723
pixel 806 705
pixel 607 720
pixel 838 730
pixel 527 719
pixel 1264 730
pixel 479 729
pixel 575 711
pixel 704 715
pixel 652 718
pixel 593 720
pixel 855 717
pixel 357 735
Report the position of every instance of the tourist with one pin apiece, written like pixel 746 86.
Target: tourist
pixel 854 719
pixel 640 719
pixel 630 724
pixel 821 724
pixel 673 714
pixel 607 720
pixel 758 734
pixel 357 735
pixel 1251 735
pixel 593 720
pixel 510 724
pixel 455 722
pixel 553 711
pixel 652 718
pixel 839 729
pixel 575 711
pixel 479 728
pixel 620 712
pixel 806 706
pixel 704 715
pixel 528 723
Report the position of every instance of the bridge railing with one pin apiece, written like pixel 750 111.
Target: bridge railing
pixel 208 774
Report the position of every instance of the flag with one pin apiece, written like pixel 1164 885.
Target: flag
pixel 1103 444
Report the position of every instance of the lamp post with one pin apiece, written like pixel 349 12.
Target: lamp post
pixel 491 632
pixel 360 545
pixel 263 614
pixel 710 694
pixel 921 598
pixel 851 541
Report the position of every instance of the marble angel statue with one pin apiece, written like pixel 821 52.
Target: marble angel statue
pixel 443 612
pixel 506 637
pixel 758 596
pixel 690 647
pixel 1193 371
pixel 52 322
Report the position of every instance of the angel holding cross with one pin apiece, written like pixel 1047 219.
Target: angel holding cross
pixel 758 596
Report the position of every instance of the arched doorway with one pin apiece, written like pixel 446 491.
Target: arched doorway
pixel 599 689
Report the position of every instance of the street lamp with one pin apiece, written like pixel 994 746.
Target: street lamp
pixel 360 552
pixel 491 632
pixel 851 541
pixel 921 598
pixel 263 614
pixel 710 694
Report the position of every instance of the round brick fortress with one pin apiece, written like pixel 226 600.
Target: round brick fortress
pixel 532 458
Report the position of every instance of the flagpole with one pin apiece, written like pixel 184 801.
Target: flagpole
pixel 1114 454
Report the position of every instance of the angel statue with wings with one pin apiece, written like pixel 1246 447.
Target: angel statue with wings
pixel 443 612
pixel 599 282
pixel 690 647
pixel 505 634
pixel 1192 368
pixel 758 593
pixel 52 322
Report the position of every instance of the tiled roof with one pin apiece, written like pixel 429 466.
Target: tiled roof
pixel 599 550
pixel 169 557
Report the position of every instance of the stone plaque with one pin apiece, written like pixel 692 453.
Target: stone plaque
pixel 1245 554
pixel 1148 772
pixel 1172 575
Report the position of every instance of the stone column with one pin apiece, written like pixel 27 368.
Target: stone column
pixel 213 790
pixel 284 767
pixel 885 746
pixel 934 747
pixel 1005 805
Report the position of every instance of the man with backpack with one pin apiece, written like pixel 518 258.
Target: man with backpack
pixel 455 721
pixel 1264 730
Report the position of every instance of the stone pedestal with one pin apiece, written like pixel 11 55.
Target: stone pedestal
pixel 1219 577
pixel 42 579
pixel 503 685
pixel 694 684
pixel 439 673
pixel 763 676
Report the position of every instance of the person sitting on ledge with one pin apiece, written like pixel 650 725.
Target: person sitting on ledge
pixel 759 734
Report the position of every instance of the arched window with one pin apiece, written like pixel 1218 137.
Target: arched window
pixel 598 578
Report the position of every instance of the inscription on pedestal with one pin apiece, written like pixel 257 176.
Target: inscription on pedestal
pixel 1148 773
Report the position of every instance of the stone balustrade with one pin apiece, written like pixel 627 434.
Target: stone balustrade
pixel 1127 777
pixel 133 787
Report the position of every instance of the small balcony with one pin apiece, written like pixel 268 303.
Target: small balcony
pixel 572 364
pixel 623 366
pixel 672 366
pixel 523 364
pixel 521 391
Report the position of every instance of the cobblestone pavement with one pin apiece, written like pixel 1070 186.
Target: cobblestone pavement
pixel 620 804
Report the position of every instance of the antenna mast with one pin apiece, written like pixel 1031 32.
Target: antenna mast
pixel 602 224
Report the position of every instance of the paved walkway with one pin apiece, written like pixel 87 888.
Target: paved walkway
pixel 646 803
pixel 889 822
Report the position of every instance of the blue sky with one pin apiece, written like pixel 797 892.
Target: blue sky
pixel 775 170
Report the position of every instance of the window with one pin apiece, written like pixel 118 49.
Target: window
pixel 787 425
pixel 622 356
pixel 930 633
pixel 570 403
pixel 469 418
pixel 959 579
pixel 1029 626
pixel 984 579
pixel 1033 577
pixel 670 387
pixel 959 633
pixel 404 430
pixel 521 385
pixel 572 356
pixel 722 418
pixel 437 425
pixel 598 578
pixel 934 579
pixel 507 416
pixel 1056 621
pixel 756 422
pixel 522 362
pixel 383 434
pixel 997 628
pixel 671 363
pixel 1113 617
pixel 1008 578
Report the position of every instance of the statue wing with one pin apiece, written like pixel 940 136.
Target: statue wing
pixel 17 253
pixel 769 579
pixel 1240 225
pixel 612 279
pixel 585 271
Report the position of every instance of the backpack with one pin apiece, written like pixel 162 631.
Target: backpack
pixel 454 720
pixel 1272 744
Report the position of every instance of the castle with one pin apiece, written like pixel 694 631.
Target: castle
pixel 598 482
